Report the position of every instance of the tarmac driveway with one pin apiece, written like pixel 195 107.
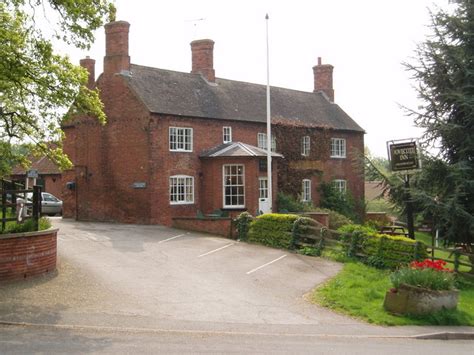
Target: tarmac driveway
pixel 179 275
pixel 136 276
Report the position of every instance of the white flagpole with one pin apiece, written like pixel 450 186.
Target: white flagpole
pixel 269 129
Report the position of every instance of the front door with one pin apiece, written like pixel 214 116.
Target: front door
pixel 264 205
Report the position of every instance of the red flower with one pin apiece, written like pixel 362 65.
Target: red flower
pixel 438 265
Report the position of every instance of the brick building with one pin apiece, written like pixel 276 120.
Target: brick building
pixel 49 175
pixel 181 144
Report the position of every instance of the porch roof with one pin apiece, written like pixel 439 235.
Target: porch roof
pixel 237 149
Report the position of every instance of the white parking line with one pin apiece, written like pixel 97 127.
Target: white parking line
pixel 262 266
pixel 213 251
pixel 176 236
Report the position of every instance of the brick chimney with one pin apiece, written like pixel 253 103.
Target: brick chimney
pixel 89 64
pixel 203 59
pixel 323 79
pixel 116 47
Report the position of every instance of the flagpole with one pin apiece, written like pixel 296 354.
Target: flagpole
pixel 269 129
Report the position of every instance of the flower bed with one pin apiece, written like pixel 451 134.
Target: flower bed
pixel 422 288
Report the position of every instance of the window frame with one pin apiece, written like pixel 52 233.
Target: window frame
pixel 338 183
pixel 262 190
pixel 224 134
pixel 185 186
pixel 338 148
pixel 262 141
pixel 306 190
pixel 184 143
pixel 224 186
pixel 305 146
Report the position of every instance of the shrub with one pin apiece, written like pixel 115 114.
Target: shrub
pixel 28 226
pixel 380 250
pixel 337 201
pixel 243 224
pixel 427 274
pixel 272 229
pixel 287 203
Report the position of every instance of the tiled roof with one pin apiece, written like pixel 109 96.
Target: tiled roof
pixel 42 164
pixel 237 149
pixel 184 94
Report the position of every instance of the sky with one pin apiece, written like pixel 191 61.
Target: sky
pixel 366 41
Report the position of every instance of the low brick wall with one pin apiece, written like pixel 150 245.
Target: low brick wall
pixel 219 225
pixel 380 217
pixel 23 255
pixel 321 217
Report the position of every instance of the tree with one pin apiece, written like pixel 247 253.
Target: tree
pixel 38 88
pixel 444 72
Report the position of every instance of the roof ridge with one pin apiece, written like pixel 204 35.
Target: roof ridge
pixel 319 93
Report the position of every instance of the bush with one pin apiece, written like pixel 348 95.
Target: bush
pixel 380 250
pixel 243 224
pixel 272 229
pixel 334 200
pixel 287 203
pixel 28 226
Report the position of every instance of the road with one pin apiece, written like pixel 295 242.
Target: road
pixel 26 340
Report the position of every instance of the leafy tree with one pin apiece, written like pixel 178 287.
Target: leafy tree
pixel 38 88
pixel 444 71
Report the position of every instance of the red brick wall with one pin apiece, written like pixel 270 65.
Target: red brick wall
pixel 54 185
pixel 319 166
pixel 134 147
pixel 28 255
pixel 219 226
pixel 109 159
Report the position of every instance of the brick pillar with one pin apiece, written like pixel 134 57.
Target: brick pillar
pixel 203 59
pixel 323 79
pixel 116 47
pixel 89 65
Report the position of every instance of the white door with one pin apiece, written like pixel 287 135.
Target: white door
pixel 264 205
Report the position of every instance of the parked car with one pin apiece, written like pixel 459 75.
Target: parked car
pixel 50 204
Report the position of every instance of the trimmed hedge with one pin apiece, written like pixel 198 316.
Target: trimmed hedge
pixel 380 250
pixel 272 229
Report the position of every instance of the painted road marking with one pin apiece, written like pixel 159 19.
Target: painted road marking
pixel 176 236
pixel 262 266
pixel 215 250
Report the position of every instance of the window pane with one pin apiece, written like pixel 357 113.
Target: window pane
pixel 234 185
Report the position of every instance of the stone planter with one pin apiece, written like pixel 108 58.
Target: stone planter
pixel 419 301
pixel 23 255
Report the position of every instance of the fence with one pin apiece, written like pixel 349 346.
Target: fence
pixel 14 196
pixel 326 239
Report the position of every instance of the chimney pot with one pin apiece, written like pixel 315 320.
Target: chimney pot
pixel 323 79
pixel 203 59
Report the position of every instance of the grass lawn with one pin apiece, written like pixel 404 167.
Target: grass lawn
pixel 359 290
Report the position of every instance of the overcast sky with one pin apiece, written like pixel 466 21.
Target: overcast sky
pixel 365 40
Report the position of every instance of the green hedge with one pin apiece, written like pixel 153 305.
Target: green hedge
pixel 381 250
pixel 272 229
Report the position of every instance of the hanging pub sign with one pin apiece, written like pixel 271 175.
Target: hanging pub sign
pixel 403 156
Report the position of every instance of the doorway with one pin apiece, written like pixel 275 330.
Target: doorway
pixel 264 205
